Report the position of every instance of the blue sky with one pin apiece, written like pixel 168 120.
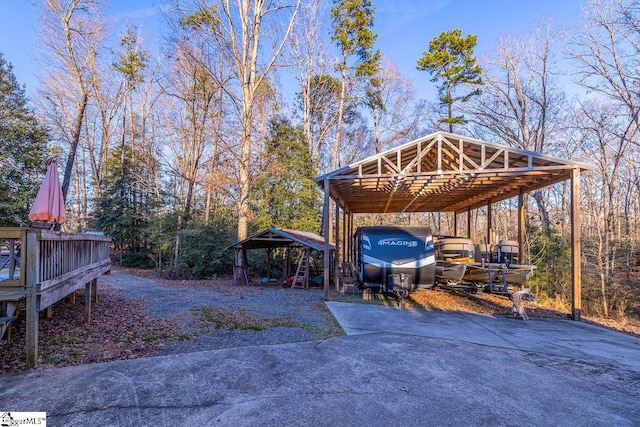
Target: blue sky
pixel 404 28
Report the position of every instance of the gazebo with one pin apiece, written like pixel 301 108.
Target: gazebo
pixel 272 238
pixel 445 172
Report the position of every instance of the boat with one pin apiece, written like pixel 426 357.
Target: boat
pixel 450 272
pixel 452 257
pixel 507 252
pixel 455 249
pixel 459 262
pixel 496 274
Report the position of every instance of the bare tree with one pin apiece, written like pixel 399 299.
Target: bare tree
pixel 194 113
pixel 606 139
pixel 403 115
pixel 310 56
pixel 520 104
pixel 240 30
pixel 242 34
pixel 102 120
pixel 72 33
pixel 354 36
pixel 606 48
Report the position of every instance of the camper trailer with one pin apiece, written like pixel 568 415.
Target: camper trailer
pixel 390 257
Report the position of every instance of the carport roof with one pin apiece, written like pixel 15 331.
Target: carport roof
pixel 443 172
pixel 277 238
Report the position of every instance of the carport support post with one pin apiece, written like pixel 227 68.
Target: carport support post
pixel 455 223
pixel 326 230
pixel 336 238
pixel 351 256
pixel 576 273
pixel 489 225
pixel 343 239
pixel 521 228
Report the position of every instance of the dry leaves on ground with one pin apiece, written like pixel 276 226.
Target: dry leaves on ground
pixel 119 329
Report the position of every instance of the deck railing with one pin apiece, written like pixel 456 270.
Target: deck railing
pixel 10 261
pixel 41 267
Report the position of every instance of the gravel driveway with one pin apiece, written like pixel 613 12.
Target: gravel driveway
pixel 300 315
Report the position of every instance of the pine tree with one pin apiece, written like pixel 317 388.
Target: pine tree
pixel 353 34
pixel 450 59
pixel 122 212
pixel 23 143
pixel 287 167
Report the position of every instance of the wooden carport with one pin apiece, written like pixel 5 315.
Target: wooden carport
pixel 445 172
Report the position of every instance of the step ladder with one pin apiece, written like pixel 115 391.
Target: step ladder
pixel 301 279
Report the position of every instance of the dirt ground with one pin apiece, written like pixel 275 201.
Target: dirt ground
pixel 139 315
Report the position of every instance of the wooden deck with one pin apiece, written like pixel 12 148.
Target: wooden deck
pixel 39 267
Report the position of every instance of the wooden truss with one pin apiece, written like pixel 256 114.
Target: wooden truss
pixel 442 172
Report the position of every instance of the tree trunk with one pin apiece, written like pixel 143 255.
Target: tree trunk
pixel 545 222
pixel 603 292
pixel 245 164
pixel 343 89
pixel 75 139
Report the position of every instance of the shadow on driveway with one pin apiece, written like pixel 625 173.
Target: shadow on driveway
pixel 394 367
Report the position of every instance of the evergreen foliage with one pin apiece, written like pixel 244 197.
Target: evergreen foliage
pixel 23 143
pixel 450 59
pixel 201 252
pixel 360 64
pixel 202 249
pixel 133 61
pixel 552 255
pixel 125 209
pixel 288 194
pixel 352 22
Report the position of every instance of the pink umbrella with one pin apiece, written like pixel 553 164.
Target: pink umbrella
pixel 49 204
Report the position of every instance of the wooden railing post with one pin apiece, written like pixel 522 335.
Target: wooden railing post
pixel 94 291
pixel 87 301
pixel 31 250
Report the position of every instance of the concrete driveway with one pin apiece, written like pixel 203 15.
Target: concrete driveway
pixel 393 367
pixel 548 336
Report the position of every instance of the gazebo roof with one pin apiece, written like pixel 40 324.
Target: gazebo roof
pixel 443 172
pixel 277 238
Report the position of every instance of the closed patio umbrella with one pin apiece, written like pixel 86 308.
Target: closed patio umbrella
pixel 49 204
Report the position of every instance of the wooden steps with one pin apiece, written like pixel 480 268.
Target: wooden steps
pixel 7 315
pixel 12 295
pixel 5 327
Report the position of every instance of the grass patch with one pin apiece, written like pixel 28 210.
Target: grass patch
pixel 54 359
pixel 62 341
pixel 183 337
pixel 239 319
pixel 248 327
